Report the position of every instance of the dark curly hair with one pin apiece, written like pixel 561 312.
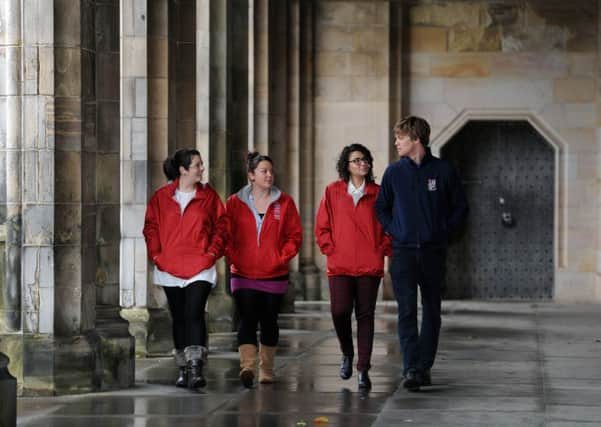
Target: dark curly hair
pixel 343 161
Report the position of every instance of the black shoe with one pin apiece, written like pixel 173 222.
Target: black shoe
pixel 195 377
pixel 411 382
pixel 364 381
pixel 425 379
pixel 182 379
pixel 346 367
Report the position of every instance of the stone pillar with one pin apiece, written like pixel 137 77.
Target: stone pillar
pixel 292 140
pixel 278 146
pixel 222 115
pixel 309 270
pixel 134 158
pixel 238 99
pixel 182 77
pixel 149 318
pixel 260 58
pixel 10 184
pixel 92 347
pixel 598 269
pixel 49 161
pixel 270 64
pixel 397 69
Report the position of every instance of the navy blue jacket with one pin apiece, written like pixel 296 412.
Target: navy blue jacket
pixel 420 205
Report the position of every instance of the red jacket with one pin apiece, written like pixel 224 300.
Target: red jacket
pixel 267 255
pixel 185 244
pixel 351 236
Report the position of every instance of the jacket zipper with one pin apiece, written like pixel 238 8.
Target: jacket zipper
pixel 417 189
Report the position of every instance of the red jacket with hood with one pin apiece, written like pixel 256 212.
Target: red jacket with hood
pixel 351 236
pixel 266 255
pixel 183 244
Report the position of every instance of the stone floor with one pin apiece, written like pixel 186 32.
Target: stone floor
pixel 499 364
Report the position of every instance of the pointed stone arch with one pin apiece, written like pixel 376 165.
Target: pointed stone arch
pixel 555 141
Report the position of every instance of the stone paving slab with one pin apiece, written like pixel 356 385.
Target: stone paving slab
pixel 499 364
pixel 459 419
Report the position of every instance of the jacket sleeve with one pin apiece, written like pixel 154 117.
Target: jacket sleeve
pixel 323 229
pixel 293 233
pixel 386 246
pixel 384 201
pixel 220 233
pixel 458 208
pixel 151 229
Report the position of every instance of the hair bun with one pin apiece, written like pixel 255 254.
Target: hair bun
pixel 252 154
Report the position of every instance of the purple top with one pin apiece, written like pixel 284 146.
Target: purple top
pixel 266 285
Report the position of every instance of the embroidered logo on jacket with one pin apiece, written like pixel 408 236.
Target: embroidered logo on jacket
pixel 276 211
pixel 431 184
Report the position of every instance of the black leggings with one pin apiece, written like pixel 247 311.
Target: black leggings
pixel 258 307
pixel 187 308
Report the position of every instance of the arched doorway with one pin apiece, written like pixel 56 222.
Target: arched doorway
pixel 506 250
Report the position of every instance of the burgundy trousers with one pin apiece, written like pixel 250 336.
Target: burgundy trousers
pixel 360 293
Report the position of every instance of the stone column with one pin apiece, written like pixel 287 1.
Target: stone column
pixel 92 347
pixel 307 266
pixel 397 69
pixel 270 66
pixel 260 58
pixel 278 146
pixel 598 269
pixel 279 82
pixel 50 165
pixel 292 140
pixel 10 184
pixel 222 115
pixel 299 146
pixel 134 166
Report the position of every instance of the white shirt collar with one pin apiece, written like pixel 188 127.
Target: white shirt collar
pixel 353 190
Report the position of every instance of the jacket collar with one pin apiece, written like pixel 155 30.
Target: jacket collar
pixel 427 159
pixel 370 187
pixel 172 187
pixel 244 194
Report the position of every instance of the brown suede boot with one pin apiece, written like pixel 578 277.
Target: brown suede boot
pixel 266 354
pixel 248 363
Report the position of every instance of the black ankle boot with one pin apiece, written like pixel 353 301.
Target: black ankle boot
pixel 411 381
pixel 182 379
pixel 195 377
pixel 364 381
pixel 346 367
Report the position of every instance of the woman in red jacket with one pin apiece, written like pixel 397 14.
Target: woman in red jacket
pixel 265 234
pixel 351 237
pixel 185 230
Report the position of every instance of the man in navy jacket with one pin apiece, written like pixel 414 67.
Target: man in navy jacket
pixel 420 204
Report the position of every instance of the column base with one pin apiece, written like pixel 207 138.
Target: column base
pixel 151 328
pixel 312 282
pixel 296 281
pixel 138 327
pixel 98 360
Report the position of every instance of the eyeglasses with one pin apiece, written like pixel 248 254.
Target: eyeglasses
pixel 359 160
